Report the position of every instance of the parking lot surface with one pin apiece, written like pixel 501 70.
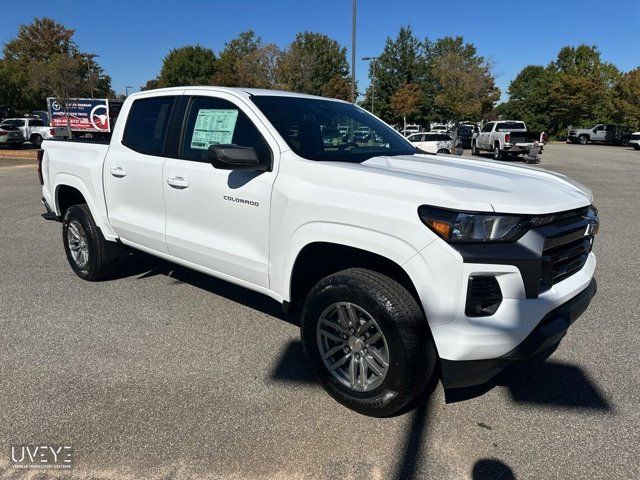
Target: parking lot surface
pixel 166 373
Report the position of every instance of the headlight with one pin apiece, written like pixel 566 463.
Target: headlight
pixel 468 227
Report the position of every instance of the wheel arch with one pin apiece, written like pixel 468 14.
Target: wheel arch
pixel 70 190
pixel 319 259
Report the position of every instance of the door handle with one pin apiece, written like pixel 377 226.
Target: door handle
pixel 177 182
pixel 118 172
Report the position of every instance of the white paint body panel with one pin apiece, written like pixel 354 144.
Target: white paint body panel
pixel 371 206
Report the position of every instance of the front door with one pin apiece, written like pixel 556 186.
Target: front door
pixel 219 219
pixel 132 174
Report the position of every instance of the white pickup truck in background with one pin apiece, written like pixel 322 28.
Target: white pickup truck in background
pixel 398 263
pixel 505 137
pixel 35 131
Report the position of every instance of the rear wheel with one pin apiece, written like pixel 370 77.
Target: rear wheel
pixel 583 139
pixel 36 140
pixel 443 150
pixel 91 257
pixel 368 342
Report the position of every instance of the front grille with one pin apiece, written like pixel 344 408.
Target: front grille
pixel 567 247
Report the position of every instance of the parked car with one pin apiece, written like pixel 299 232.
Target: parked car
pixel 362 134
pixel 431 142
pixel 465 134
pixel 35 131
pixel 505 137
pixel 438 128
pixel 634 140
pixel 11 135
pixel 397 262
pixel 601 133
pixel 411 128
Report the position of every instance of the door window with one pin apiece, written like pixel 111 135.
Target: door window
pixel 36 123
pixel 214 121
pixel 147 124
pixel 488 127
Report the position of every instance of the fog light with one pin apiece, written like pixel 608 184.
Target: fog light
pixel 483 296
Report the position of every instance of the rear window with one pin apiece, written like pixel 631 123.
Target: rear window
pixel 507 126
pixel 147 125
pixel 635 136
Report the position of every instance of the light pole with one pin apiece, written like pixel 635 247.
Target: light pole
pixel 353 54
pixel 373 80
pixel 126 90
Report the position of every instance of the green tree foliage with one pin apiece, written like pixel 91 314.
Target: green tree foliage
pixel 232 57
pixel 577 88
pixel 456 83
pixel 36 45
pixel 259 68
pixel 315 64
pixel 401 62
pixel 626 99
pixel 407 100
pixel 188 65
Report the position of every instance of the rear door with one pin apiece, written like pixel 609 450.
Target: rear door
pixel 132 173
pixel 219 219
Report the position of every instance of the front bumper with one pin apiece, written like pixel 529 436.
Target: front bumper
pixel 543 340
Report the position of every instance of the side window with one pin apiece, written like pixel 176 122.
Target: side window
pixel 147 123
pixel 600 128
pixel 36 123
pixel 214 121
pixel 488 127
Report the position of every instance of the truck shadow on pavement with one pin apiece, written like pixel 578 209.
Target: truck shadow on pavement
pixel 549 384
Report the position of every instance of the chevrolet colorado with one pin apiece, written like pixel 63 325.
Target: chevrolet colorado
pixel 404 267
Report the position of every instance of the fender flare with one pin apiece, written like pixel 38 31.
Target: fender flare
pixel 99 215
pixel 388 246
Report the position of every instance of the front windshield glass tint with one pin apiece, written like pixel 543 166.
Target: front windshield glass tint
pixel 319 129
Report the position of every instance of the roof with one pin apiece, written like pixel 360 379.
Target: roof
pixel 239 91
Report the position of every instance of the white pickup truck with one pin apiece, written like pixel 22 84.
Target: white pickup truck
pixel 505 137
pixel 35 131
pixel 404 267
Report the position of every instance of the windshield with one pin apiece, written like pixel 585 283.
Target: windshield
pixel 309 126
pixel 506 126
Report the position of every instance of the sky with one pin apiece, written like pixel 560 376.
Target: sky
pixel 132 37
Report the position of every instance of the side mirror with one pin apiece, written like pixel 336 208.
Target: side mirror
pixel 234 157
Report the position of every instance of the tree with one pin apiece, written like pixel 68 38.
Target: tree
pixel 406 101
pixel 529 97
pixel 232 58
pixel 60 75
pixel 34 47
pixel 259 68
pixel 315 64
pixel 581 90
pixel 150 85
pixel 626 98
pixel 188 65
pixel 401 62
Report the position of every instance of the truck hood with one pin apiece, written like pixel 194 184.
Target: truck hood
pixel 484 185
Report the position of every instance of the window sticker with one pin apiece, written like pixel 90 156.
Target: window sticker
pixel 213 127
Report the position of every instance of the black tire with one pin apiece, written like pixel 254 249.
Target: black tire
pixel 102 255
pixel 412 354
pixel 636 146
pixel 474 149
pixel 36 140
pixel 497 153
pixel 583 139
pixel 443 150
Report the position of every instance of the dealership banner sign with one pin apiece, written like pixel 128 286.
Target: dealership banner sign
pixel 85 114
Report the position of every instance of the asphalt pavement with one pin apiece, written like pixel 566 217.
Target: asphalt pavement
pixel 166 373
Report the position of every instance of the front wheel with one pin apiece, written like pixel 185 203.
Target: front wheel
pixel 497 153
pixel 367 341
pixel 583 139
pixel 443 151
pixel 474 149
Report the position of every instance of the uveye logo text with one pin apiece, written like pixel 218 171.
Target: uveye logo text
pixel 42 456
pixel 241 200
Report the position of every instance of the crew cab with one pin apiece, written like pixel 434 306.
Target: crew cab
pixel 35 131
pixel 404 267
pixel 505 137
pixel 601 133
